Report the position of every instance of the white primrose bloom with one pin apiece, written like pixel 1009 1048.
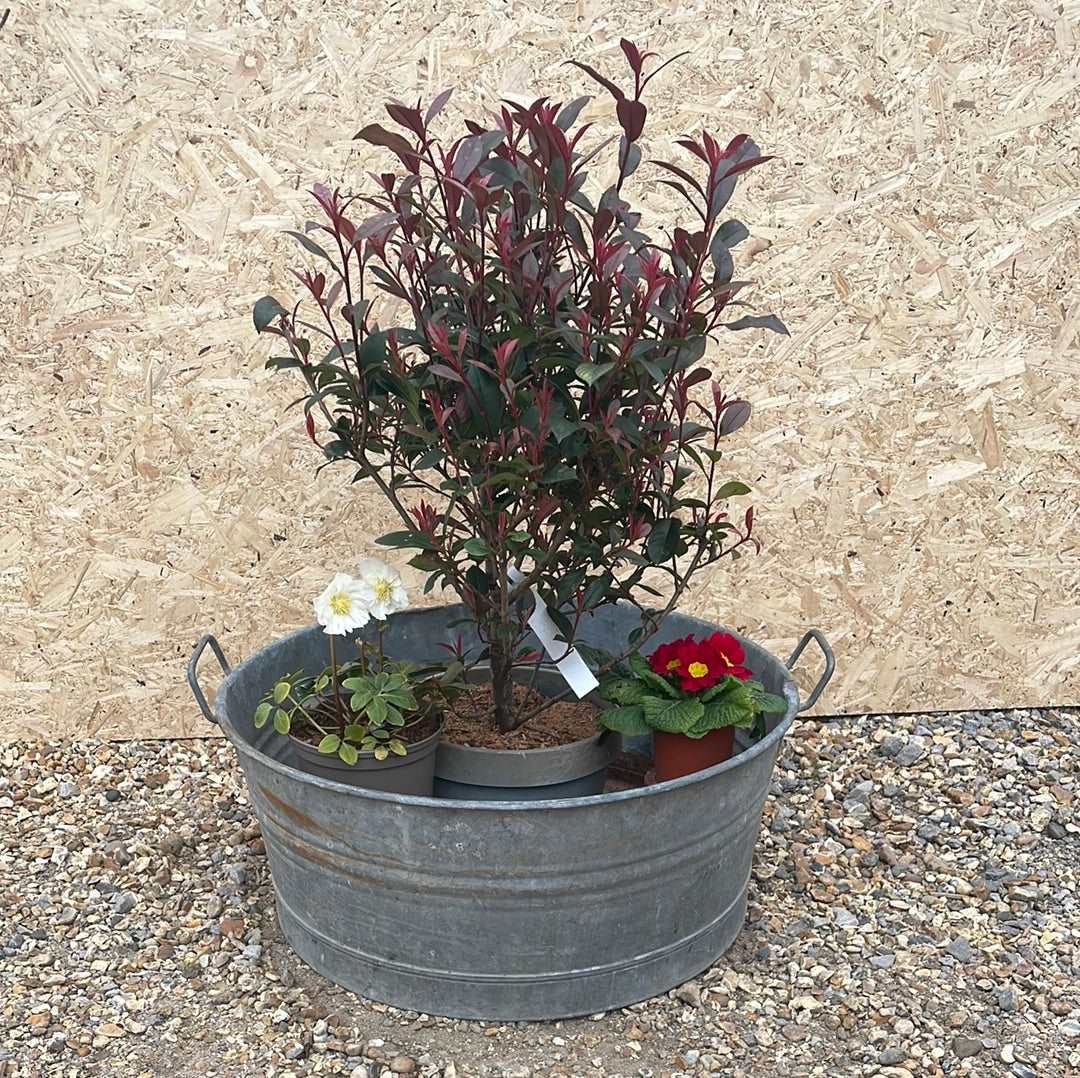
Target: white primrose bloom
pixel 381 586
pixel 343 606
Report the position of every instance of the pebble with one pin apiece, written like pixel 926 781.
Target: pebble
pixel 1005 999
pixel 911 752
pixel 124 902
pixel 964 1047
pixel 689 993
pixel 960 949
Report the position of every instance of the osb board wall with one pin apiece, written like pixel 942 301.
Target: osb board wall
pixel 914 441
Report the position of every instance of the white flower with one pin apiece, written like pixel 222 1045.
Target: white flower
pixel 343 606
pixel 381 586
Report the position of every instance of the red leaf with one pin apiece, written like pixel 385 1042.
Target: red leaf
pixel 733 415
pixel 441 370
pixel 734 145
pixel 436 106
pixel 693 147
pixel 606 83
pixel 683 175
pixel 377 135
pixel 407 117
pixel 631 118
pixel 743 166
pixel 632 54
pixel 309 422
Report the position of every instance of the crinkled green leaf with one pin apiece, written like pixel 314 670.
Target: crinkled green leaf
pixel 640 667
pixel 628 720
pixel 623 690
pixel 672 716
pixel 771 703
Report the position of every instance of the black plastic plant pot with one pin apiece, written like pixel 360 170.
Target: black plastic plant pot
pixel 413 773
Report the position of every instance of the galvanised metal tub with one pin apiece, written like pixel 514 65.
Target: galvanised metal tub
pixel 503 909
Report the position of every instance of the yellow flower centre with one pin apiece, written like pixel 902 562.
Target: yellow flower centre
pixel 697 669
pixel 383 591
pixel 340 603
pixel 674 664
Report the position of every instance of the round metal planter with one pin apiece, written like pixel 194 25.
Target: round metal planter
pixel 503 909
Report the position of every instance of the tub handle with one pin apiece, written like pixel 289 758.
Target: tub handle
pixel 830 664
pixel 192 672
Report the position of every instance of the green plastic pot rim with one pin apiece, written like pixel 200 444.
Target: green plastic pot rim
pixel 791 694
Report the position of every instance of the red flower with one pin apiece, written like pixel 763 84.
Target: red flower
pixel 667 658
pixel 700 664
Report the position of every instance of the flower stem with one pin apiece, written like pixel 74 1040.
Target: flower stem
pixel 337 691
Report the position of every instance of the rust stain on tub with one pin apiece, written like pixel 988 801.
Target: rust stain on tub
pixel 294 814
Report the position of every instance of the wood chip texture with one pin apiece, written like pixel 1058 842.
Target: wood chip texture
pixel 913 445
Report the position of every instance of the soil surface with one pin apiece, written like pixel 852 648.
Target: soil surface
pixel 411 734
pixel 471 721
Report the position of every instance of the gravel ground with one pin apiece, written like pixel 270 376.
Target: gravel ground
pixel 913 911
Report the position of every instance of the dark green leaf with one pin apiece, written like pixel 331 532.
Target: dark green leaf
pixel 591 373
pixel 476 548
pixel 282 363
pixel 309 244
pixel 405 539
pixel 665 541
pixel 265 311
pixel 759 321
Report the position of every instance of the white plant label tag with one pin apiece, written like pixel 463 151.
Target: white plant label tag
pixel 567 661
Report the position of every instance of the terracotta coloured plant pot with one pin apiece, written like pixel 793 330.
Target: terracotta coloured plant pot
pixel 676 755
